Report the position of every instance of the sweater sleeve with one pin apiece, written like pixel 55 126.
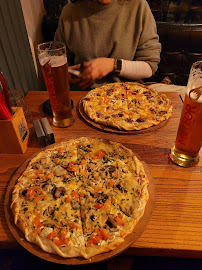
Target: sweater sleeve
pixel 135 70
pixel 149 48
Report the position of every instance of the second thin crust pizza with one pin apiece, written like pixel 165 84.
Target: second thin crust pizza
pixel 127 106
pixel 81 197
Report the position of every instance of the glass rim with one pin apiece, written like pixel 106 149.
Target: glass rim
pixel 63 46
pixel 197 64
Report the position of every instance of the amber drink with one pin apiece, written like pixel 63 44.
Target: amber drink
pixel 53 61
pixel 189 136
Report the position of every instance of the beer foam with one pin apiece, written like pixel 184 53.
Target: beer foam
pixel 195 82
pixel 54 61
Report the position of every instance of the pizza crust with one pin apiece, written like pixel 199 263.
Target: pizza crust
pixel 105 247
pixel 48 246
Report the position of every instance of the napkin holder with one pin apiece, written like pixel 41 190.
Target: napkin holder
pixel 14 133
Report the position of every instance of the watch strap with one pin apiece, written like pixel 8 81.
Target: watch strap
pixel 117 66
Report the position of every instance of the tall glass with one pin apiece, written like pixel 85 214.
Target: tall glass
pixel 189 135
pixel 53 61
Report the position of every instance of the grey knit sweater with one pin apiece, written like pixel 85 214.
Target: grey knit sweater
pixel 122 29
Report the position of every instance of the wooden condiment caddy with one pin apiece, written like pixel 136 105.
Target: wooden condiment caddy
pixel 14 133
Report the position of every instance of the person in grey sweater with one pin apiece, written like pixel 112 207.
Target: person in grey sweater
pixel 114 40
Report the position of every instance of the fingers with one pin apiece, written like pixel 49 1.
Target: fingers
pixel 92 70
pixel 80 82
pixel 75 66
pixel 74 79
pixel 98 68
pixel 88 75
pixel 85 79
pixel 85 84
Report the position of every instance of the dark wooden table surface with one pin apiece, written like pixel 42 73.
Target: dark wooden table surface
pixel 175 228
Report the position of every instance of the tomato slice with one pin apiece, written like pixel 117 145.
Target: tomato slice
pixel 37 230
pixel 52 235
pixel 37 222
pixel 99 154
pixel 39 198
pixel 58 242
pixel 75 195
pixel 104 234
pixel 63 233
pixel 95 239
pixel 119 220
pixel 98 205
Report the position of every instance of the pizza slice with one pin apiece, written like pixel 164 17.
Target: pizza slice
pixel 49 215
pixel 46 204
pixel 108 111
pixel 129 186
pixel 120 180
pixel 107 105
pixel 120 175
pixel 104 224
pixel 146 107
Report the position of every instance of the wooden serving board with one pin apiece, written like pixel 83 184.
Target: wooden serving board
pixel 37 251
pixel 106 128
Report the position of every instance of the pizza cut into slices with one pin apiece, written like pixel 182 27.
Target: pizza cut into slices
pixel 127 106
pixel 81 197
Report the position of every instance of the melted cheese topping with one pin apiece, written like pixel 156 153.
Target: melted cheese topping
pixel 81 193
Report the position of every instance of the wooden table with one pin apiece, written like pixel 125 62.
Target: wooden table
pixel 175 228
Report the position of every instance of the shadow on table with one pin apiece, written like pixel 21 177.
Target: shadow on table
pixel 21 260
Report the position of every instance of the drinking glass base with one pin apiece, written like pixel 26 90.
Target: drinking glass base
pixel 182 159
pixel 63 123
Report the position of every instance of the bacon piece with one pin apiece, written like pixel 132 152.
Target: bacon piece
pixel 135 92
pixel 99 114
pixel 129 120
pixel 162 112
pixel 86 99
pixel 140 120
pixel 152 110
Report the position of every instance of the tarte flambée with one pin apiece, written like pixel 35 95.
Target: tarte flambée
pixel 127 106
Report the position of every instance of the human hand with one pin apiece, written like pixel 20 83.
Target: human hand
pixel 95 69
pixel 73 79
pixel 78 81
pixel 98 68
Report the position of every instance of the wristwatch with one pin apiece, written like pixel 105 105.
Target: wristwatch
pixel 117 66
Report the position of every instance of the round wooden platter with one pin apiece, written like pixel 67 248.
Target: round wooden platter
pixel 37 251
pixel 106 128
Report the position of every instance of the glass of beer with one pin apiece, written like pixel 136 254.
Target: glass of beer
pixel 53 60
pixel 189 136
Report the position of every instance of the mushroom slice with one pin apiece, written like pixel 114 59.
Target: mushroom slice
pixel 59 171
pixel 103 219
pixel 111 222
pixel 59 192
pixel 36 165
pixel 75 204
pixel 45 161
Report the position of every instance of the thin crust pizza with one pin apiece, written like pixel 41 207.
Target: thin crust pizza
pixel 127 106
pixel 81 197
